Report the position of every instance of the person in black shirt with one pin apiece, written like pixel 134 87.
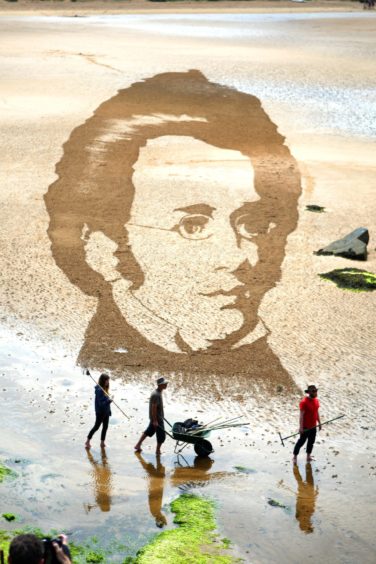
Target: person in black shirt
pixel 156 417
pixel 102 409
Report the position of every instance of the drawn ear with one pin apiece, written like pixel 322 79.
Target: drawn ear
pixel 99 254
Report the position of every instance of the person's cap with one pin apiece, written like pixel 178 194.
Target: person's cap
pixel 161 381
pixel 310 388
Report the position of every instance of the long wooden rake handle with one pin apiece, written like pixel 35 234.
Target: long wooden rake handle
pixel 87 372
pixel 306 430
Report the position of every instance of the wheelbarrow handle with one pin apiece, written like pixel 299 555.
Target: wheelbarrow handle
pixel 168 423
pixel 167 433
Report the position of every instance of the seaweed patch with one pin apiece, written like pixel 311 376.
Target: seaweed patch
pixel 194 540
pixel 275 503
pixel 6 472
pixel 352 279
pixel 244 470
pixel 9 516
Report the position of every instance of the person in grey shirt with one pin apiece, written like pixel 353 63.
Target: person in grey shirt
pixel 156 417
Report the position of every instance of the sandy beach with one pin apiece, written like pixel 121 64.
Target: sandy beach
pixel 311 66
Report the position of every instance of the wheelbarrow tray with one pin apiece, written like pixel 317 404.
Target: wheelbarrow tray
pixel 188 437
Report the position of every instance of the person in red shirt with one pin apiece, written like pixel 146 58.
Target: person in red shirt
pixel 309 417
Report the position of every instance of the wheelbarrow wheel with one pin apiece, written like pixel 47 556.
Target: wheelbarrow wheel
pixel 203 448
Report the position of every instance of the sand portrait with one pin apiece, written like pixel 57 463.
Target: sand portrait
pixel 172 207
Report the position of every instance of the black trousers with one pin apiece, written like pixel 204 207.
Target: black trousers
pixel 161 433
pixel 306 435
pixel 100 420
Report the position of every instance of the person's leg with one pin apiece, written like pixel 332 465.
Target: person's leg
pixel 97 424
pixel 149 432
pixel 161 437
pixel 137 447
pixel 106 420
pixel 300 442
pixel 311 441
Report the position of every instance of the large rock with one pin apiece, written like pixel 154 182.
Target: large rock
pixel 353 246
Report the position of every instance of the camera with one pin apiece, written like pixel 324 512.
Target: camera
pixel 49 551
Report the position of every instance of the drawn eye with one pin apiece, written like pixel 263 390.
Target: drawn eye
pixel 195 226
pixel 245 226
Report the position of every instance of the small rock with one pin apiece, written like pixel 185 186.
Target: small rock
pixel 315 208
pixel 353 246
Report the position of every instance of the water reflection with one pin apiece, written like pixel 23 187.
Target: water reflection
pixel 186 476
pixel 102 481
pixel 156 477
pixel 305 499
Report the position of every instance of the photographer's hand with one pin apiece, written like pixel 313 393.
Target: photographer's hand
pixel 60 554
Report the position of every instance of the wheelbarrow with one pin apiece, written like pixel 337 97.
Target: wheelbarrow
pixel 196 438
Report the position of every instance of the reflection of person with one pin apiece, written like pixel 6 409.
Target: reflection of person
pixel 156 418
pixel 156 477
pixel 102 409
pixel 102 480
pixel 197 475
pixel 173 206
pixel 29 549
pixel 305 499
pixel 309 417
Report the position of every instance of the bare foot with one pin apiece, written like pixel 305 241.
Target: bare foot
pixel 103 444
pixel 295 459
pixel 309 458
pixel 137 449
pixel 87 445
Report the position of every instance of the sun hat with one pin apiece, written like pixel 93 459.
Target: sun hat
pixel 161 381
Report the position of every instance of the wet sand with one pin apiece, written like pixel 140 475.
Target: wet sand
pixel 314 75
pixel 89 7
pixel 119 497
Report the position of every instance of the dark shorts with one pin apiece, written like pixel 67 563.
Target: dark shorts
pixel 161 434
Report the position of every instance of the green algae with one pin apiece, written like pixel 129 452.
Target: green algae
pixel 244 470
pixel 94 557
pixel 275 503
pixel 6 472
pixel 193 542
pixel 9 516
pixel 5 539
pixel 352 279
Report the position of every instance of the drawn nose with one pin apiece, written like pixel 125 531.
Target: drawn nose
pixel 230 251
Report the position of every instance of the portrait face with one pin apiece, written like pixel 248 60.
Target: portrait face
pixel 191 232
pixel 172 207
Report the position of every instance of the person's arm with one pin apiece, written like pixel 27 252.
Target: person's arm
pixel 319 420
pixel 61 555
pixel 301 421
pixel 154 409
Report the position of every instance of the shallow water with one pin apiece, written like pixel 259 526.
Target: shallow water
pixel 119 497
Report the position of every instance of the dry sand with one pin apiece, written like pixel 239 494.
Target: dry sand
pixel 315 78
